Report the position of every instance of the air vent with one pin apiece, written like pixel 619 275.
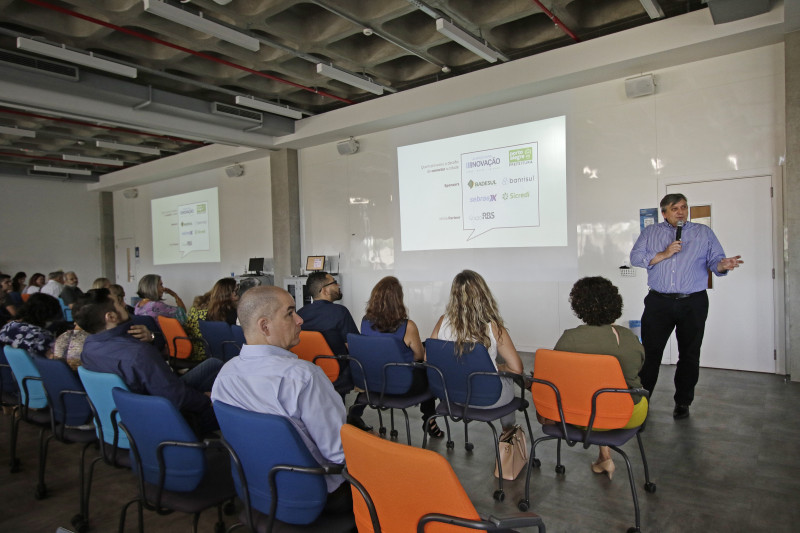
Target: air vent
pixel 227 110
pixel 62 177
pixel 42 66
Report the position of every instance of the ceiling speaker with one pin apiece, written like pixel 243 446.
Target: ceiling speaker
pixel 348 147
pixel 235 171
pixel 640 86
pixel 130 194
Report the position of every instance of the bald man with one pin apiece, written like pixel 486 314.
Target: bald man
pixel 268 378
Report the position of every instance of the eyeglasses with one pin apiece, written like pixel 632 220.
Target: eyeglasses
pixel 334 282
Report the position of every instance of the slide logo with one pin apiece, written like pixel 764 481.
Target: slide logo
pixel 518 155
pixel 472 184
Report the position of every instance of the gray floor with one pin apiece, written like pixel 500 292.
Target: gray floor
pixel 732 466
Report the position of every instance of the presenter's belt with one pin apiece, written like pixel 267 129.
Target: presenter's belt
pixel 675 295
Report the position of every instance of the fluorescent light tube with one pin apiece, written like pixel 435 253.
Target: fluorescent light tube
pixel 653 8
pixel 128 147
pixel 466 40
pixel 185 18
pixel 268 107
pixel 349 79
pixel 98 160
pixel 62 170
pixel 17 131
pixel 87 60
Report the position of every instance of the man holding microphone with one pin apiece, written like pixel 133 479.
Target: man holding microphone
pixel 678 256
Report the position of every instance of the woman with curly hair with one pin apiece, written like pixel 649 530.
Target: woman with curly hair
pixel 386 315
pixel 218 304
pixel 597 302
pixel 471 317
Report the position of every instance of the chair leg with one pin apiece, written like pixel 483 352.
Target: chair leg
pixel 41 488
pixel 13 463
pixel 499 495
pixel 649 486
pixel 467 444
pixel 81 520
pixel 560 469
pixel 125 511
pixel 381 427
pixel 408 427
pixel 533 462
pixel 393 432
pixel 195 520
pixel 633 489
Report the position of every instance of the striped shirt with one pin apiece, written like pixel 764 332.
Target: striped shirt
pixel 686 271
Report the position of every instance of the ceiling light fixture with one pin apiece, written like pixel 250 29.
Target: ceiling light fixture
pixel 17 131
pixel 467 41
pixel 349 79
pixel 98 160
pixel 653 8
pixel 185 18
pixel 128 147
pixel 62 170
pixel 87 60
pixel 249 101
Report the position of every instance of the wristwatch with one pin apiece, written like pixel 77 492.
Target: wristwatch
pixel 152 336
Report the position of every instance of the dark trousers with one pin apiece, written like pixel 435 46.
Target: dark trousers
pixel 687 316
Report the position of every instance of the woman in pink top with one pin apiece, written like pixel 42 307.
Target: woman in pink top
pixel 151 291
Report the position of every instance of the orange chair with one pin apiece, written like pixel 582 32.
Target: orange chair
pixel 25 296
pixel 178 343
pixel 313 344
pixel 587 396
pixel 399 488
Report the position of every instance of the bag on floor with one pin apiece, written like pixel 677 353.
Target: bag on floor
pixel 513 453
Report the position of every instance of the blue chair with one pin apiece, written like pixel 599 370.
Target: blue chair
pixel 271 474
pixel 218 338
pixel 238 335
pixel 70 422
pixel 33 407
pixel 463 382
pixel 384 368
pixel 114 446
pixel 65 310
pixel 176 472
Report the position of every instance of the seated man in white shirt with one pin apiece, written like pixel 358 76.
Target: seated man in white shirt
pixel 55 284
pixel 268 378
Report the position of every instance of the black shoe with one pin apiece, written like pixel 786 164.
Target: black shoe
pixel 358 422
pixel 681 411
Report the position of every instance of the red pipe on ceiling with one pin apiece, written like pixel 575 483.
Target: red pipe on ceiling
pixel 133 33
pixel 89 124
pixel 557 21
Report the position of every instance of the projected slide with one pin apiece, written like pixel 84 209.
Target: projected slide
pixel 186 228
pixel 498 188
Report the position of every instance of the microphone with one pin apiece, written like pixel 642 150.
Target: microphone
pixel 678 231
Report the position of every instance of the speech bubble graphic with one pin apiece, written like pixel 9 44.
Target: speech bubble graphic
pixel 193 223
pixel 500 189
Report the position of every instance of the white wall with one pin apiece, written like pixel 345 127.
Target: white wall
pixel 245 228
pixel 50 225
pixel 702 113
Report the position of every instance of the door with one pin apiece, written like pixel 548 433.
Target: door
pixel 741 317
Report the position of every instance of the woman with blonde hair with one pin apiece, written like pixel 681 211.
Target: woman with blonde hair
pixel 472 317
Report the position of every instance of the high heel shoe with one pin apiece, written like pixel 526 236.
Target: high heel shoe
pixel 607 467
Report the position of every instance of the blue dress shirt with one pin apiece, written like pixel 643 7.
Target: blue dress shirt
pixel 268 379
pixel 686 271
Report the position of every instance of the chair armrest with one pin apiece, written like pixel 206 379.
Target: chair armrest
pixel 25 381
pixel 373 513
pixel 490 524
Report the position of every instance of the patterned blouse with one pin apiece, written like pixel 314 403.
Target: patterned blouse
pixel 33 339
pixel 69 346
pixel 156 309
pixel 192 328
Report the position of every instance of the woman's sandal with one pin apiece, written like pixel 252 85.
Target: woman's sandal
pixel 433 429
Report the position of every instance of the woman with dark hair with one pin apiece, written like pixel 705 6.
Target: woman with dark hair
pixel 386 315
pixel 151 291
pixel 35 284
pixel 471 317
pixel 18 282
pixel 8 308
pixel 597 302
pixel 29 330
pixel 218 304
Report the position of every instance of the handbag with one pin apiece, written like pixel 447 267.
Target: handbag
pixel 513 453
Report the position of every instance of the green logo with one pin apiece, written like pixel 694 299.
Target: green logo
pixel 520 154
pixel 201 208
pixel 471 183
pixel 505 196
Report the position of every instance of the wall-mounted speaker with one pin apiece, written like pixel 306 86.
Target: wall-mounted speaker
pixel 235 171
pixel 130 194
pixel 640 86
pixel 348 147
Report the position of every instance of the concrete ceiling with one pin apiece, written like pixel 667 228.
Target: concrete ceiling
pixel 185 89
